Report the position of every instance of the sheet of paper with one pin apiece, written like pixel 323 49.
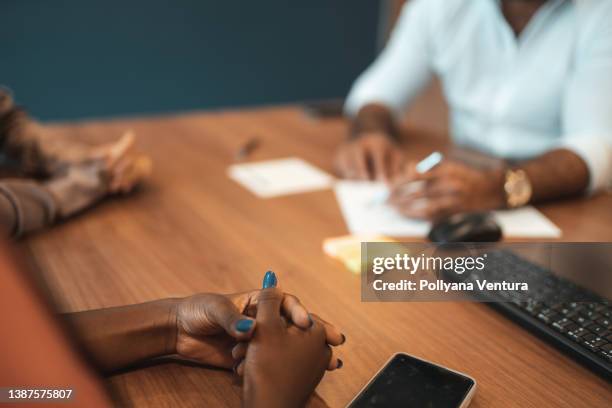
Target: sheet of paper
pixel 279 177
pixel 364 210
pixel 526 222
pixel 366 213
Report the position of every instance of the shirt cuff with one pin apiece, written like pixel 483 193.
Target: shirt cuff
pixel 597 154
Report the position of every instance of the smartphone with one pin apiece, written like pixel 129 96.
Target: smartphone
pixel 407 381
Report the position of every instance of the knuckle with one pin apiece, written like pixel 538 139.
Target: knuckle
pixel 270 294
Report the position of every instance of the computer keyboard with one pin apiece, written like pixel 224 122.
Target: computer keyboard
pixel 581 327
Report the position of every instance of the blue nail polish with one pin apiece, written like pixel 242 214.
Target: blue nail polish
pixel 269 280
pixel 244 325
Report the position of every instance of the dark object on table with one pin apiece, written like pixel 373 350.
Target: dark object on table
pixel 468 227
pixel 322 109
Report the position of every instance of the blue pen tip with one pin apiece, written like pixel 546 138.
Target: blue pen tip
pixel 269 280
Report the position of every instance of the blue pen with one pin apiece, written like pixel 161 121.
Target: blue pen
pixel 429 162
pixel 423 166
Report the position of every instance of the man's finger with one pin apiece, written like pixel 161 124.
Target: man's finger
pixel 428 190
pixel 341 162
pixel 396 162
pixel 359 162
pixel 431 209
pixel 379 163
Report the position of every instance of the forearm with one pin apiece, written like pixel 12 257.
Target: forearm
pixel 374 118
pixel 29 205
pixel 25 206
pixel 556 174
pixel 118 337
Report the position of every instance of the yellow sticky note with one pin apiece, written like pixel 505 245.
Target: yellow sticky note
pixel 347 249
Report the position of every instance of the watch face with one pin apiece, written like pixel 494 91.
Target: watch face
pixel 518 188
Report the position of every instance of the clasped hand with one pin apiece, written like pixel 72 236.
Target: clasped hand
pixel 265 335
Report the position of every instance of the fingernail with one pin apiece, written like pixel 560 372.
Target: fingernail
pixel 343 338
pixel 310 320
pixel 269 280
pixel 244 325
pixel 340 364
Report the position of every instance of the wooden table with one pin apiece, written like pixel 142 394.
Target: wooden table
pixel 194 230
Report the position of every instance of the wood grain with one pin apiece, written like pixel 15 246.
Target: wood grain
pixel 191 229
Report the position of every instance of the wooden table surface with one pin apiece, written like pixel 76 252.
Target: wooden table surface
pixel 194 230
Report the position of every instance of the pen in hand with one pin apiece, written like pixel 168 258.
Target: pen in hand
pixel 429 162
pixel 422 167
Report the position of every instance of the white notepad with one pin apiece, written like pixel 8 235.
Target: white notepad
pixel 279 177
pixel 364 213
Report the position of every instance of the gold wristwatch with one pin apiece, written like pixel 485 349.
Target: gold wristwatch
pixel 517 187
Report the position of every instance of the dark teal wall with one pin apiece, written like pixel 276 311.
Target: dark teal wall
pixel 68 59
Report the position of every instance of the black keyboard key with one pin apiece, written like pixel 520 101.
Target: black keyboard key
pixel 533 309
pixel 590 347
pixel 561 308
pixel 562 324
pixel 595 328
pixel 606 356
pixel 588 314
pixel 582 321
pixel 604 322
pixel 571 327
pixel 599 342
pixel 579 333
pixel 549 317
pixel 607 348
pixel 588 337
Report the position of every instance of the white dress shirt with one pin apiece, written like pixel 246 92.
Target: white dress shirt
pixel 512 97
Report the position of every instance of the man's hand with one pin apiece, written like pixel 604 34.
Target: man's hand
pixel 209 326
pixel 370 156
pixel 283 363
pixel 449 188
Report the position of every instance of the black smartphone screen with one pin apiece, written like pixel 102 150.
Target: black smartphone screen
pixel 409 382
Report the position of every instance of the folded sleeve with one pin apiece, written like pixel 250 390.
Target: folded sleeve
pixel 25 206
pixel 402 69
pixel 587 105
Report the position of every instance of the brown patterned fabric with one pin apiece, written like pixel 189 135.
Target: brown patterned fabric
pixel 65 177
